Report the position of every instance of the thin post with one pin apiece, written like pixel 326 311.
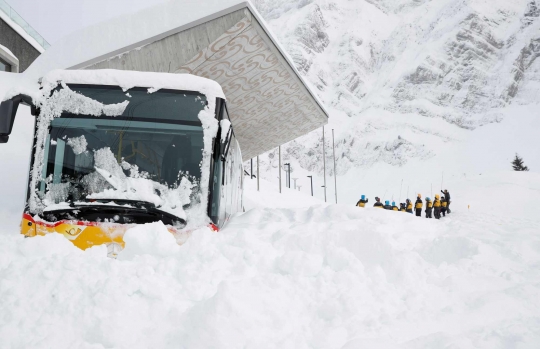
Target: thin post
pixel 258 185
pixel 279 156
pixel 251 168
pixel 407 192
pixel 311 178
pixel 400 190
pixel 431 189
pixel 289 175
pixel 334 154
pixel 324 164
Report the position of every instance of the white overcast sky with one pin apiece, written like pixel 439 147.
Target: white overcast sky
pixel 54 19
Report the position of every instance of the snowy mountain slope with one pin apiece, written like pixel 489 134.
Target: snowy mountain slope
pixel 451 59
pixel 415 89
pixel 313 277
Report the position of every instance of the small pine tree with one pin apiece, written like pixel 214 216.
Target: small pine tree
pixel 518 165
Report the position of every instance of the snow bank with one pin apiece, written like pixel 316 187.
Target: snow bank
pixel 314 277
pixel 268 196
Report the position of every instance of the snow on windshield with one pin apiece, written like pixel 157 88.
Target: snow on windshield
pixel 61 100
pixel 78 144
pixel 135 186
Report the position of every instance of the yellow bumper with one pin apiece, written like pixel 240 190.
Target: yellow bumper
pixel 82 234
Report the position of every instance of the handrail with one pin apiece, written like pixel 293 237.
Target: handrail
pixel 15 17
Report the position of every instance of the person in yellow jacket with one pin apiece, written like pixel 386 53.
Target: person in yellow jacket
pixel 418 205
pixel 437 207
pixel 378 203
pixel 408 206
pixel 394 207
pixel 444 206
pixel 429 208
pixel 362 202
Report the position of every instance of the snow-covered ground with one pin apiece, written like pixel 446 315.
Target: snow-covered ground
pixel 309 276
pixel 296 272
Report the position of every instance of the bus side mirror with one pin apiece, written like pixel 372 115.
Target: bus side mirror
pixel 8 111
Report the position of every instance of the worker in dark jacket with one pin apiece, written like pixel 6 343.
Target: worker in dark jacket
pixel 429 208
pixel 408 206
pixel 402 207
pixel 418 205
pixel 378 203
pixel 387 205
pixel 447 197
pixel 444 206
pixel 437 207
pixel 362 202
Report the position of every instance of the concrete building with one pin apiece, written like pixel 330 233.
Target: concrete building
pixel 20 44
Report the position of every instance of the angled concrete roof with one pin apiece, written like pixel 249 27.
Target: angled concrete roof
pixel 227 40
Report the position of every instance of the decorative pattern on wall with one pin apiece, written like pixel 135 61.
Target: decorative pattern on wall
pixel 268 106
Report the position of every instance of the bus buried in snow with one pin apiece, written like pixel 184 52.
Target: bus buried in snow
pixel 106 157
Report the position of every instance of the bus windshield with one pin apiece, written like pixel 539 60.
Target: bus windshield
pixel 148 152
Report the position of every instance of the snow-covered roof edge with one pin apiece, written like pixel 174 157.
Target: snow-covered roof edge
pixel 127 79
pixel 240 5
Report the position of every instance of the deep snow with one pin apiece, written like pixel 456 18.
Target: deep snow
pixel 317 276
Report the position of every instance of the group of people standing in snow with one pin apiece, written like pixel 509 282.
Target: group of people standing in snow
pixel 439 206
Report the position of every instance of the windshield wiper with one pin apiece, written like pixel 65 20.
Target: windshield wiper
pixel 139 212
pixel 134 203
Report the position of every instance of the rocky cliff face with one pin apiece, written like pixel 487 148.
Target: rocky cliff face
pixel 458 61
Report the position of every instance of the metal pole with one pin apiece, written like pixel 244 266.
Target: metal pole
pixel 324 163
pixel 334 153
pixel 279 150
pixel 311 177
pixel 400 190
pixel 251 168
pixel 258 185
pixel 288 175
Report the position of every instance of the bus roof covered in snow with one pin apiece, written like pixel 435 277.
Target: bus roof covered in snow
pixel 226 41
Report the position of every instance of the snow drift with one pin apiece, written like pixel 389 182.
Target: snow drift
pixel 306 277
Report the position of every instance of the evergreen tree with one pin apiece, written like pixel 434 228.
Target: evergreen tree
pixel 518 165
